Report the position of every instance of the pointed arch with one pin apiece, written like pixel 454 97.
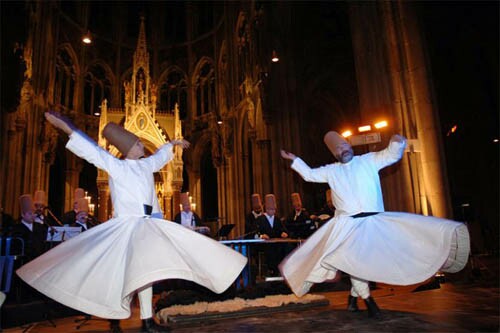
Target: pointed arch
pixel 109 73
pixel 71 52
pixel 97 86
pixel 203 82
pixel 67 72
pixel 173 89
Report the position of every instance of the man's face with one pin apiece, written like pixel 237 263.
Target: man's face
pixel 257 207
pixel 271 211
pixel 28 217
pixel 186 208
pixel 343 152
pixel 137 151
pixel 39 208
pixel 82 217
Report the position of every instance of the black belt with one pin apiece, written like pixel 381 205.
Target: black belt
pixel 148 210
pixel 363 214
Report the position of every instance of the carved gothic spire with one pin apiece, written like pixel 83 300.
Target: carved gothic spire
pixel 141 78
pixel 141 55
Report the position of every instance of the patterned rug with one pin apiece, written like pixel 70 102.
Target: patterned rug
pixel 238 307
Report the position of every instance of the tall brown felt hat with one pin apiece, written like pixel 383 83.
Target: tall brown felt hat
pixel 296 200
pixel 26 203
pixel 40 198
pixel 79 193
pixel 270 201
pixel 82 205
pixel 119 137
pixel 184 199
pixel 332 139
pixel 256 201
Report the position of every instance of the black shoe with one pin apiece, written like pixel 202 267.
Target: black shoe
pixel 114 326
pixel 352 304
pixel 149 326
pixel 373 310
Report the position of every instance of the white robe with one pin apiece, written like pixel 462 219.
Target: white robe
pixel 98 271
pixel 395 248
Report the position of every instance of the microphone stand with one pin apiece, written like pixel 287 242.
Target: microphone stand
pixel 52 231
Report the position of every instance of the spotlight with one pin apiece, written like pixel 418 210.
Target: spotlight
pixel 381 124
pixel 346 134
pixel 275 57
pixel 87 38
pixel 365 128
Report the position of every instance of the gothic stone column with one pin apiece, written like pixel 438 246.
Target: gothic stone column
pixel 393 81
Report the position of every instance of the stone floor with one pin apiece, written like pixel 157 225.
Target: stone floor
pixel 469 303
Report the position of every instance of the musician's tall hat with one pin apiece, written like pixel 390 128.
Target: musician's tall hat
pixel 184 199
pixel 79 193
pixel 256 201
pixel 270 201
pixel 40 198
pixel 82 205
pixel 26 203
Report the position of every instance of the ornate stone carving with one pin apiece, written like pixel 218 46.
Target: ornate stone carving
pixel 228 137
pixel 126 86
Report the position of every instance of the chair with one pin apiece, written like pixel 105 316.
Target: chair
pixel 7 260
pixel 7 263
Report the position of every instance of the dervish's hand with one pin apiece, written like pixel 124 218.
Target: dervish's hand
pixel 398 138
pixel 183 143
pixel 287 156
pixel 59 121
pixel 284 235
pixel 264 236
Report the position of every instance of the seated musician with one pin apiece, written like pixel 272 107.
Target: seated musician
pixel 33 234
pixel 82 215
pixel 270 226
pixel 188 218
pixel 70 216
pixel 41 209
pixel 327 212
pixel 251 230
pixel 298 223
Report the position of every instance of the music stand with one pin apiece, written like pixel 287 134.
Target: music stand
pixel 224 231
pixel 60 234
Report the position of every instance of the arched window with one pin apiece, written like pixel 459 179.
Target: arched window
pixel 205 90
pixel 97 88
pixel 65 79
pixel 172 91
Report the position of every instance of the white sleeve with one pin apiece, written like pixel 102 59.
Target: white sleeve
pixel 317 175
pixel 86 148
pixel 162 156
pixel 388 156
